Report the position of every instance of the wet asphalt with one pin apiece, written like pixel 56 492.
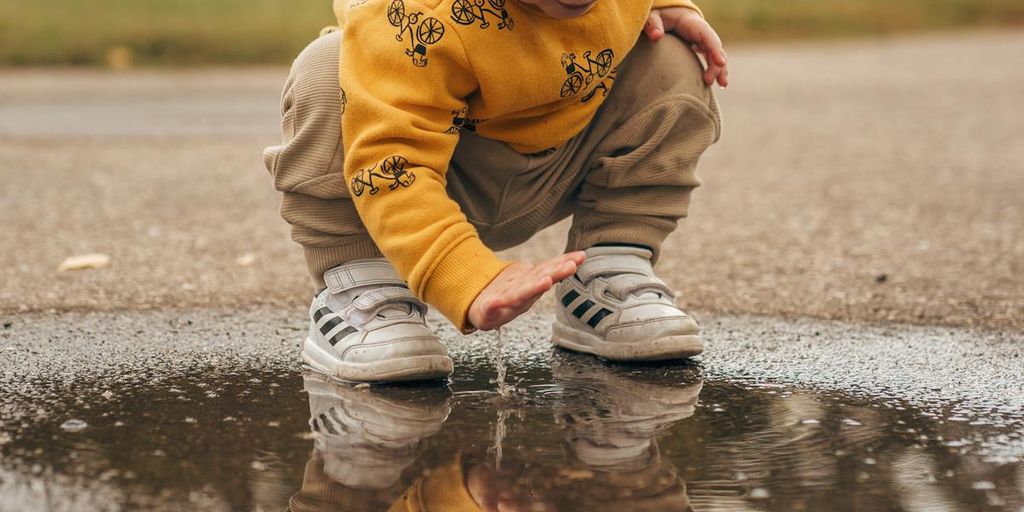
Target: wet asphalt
pixel 176 407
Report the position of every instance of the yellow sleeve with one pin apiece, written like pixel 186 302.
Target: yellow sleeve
pixel 404 75
pixel 660 4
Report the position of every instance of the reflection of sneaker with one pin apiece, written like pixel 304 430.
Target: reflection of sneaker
pixel 613 415
pixel 616 308
pixel 367 437
pixel 611 419
pixel 368 327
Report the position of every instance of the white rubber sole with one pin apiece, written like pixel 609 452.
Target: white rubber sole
pixel 659 349
pixel 404 369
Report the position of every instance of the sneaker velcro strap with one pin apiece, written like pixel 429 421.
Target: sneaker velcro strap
pixel 623 285
pixel 355 274
pixel 371 301
pixel 603 265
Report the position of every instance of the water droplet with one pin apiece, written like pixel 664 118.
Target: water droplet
pixel 983 485
pixel 852 422
pixel 73 425
pixel 810 421
pixel 498 358
pixel 760 493
pixel 870 461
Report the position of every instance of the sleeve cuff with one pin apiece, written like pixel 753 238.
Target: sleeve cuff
pixel 458 279
pixel 661 4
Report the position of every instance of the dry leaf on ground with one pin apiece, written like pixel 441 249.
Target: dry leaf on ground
pixel 83 262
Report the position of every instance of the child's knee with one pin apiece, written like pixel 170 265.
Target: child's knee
pixel 670 66
pixel 664 74
pixel 309 159
pixel 313 82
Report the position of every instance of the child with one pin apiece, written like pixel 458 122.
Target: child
pixel 466 126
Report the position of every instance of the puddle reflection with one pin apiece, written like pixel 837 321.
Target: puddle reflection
pixel 579 435
pixel 607 424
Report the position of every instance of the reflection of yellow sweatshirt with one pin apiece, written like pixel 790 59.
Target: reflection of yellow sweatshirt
pixel 416 72
pixel 442 490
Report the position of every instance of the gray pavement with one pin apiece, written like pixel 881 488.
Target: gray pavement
pixel 874 181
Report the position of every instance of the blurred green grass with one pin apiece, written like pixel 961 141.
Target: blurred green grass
pixel 185 32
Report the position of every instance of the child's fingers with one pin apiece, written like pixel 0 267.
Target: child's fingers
pixel 719 56
pixel 577 257
pixel 714 47
pixel 655 27
pixel 718 61
pixel 561 271
pixel 711 74
pixel 717 65
pixel 557 269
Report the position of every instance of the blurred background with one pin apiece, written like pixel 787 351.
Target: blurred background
pixel 120 33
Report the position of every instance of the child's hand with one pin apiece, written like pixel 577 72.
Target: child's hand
pixel 692 28
pixel 515 290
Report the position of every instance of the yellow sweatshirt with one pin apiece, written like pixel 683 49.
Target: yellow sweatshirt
pixel 415 72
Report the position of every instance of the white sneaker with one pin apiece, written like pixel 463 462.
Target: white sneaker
pixel 616 308
pixel 367 326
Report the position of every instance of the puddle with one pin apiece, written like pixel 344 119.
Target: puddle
pixel 577 435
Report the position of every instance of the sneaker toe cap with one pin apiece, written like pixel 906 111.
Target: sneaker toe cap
pixel 372 349
pixel 643 329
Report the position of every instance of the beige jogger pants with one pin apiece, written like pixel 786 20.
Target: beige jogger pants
pixel 626 179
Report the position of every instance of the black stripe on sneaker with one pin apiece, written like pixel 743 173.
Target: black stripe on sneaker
pixel 596 319
pixel 318 314
pixel 326 424
pixel 582 309
pixel 330 324
pixel 341 335
pixel 569 297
